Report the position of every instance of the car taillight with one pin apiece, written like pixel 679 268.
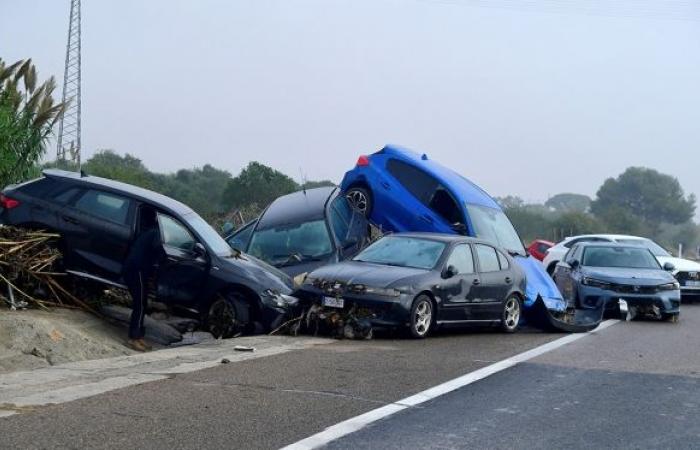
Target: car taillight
pixel 7 202
pixel 363 161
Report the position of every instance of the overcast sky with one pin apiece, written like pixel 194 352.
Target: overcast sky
pixel 529 97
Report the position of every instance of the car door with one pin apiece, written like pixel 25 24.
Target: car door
pixel 459 292
pixel 446 215
pixel 97 228
pixel 409 194
pixel 181 277
pixel 240 239
pixel 565 275
pixel 496 279
pixel 350 228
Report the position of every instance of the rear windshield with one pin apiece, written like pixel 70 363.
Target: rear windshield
pixel 623 257
pixel 655 248
pixel 403 252
pixel 291 244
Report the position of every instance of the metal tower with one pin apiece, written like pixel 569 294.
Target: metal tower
pixel 68 150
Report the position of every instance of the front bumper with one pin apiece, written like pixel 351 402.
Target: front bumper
pixel 592 298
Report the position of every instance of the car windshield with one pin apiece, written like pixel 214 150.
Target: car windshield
pixel 287 245
pixel 625 257
pixel 655 248
pixel 493 225
pixel 403 252
pixel 213 240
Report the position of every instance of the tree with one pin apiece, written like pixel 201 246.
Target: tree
pixel 568 202
pixel 27 117
pixel 127 168
pixel 257 184
pixel 642 195
pixel 510 201
pixel 574 223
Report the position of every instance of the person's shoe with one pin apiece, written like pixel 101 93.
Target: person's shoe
pixel 139 345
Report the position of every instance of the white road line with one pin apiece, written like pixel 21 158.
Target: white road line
pixel 358 422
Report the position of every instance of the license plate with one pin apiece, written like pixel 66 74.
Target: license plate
pixel 693 283
pixel 333 302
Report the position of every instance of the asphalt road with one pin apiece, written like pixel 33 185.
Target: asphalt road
pixel 629 385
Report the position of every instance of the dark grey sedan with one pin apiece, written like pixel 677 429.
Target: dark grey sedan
pixel 618 275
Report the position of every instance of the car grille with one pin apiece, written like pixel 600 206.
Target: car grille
pixel 633 289
pixel 682 277
pixel 330 287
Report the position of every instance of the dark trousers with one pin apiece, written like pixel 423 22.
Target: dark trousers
pixel 136 282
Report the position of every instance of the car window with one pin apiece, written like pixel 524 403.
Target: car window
pixel 341 215
pixel 106 206
pixel 418 183
pixel 542 248
pixel 291 244
pixel 66 196
pixel 445 206
pixel 585 239
pixel 655 248
pixel 627 257
pixel 174 234
pixel 488 259
pixel 239 240
pixel 493 225
pixel 503 261
pixel 462 259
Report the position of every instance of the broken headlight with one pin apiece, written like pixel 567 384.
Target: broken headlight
pixel 273 298
pixel 670 286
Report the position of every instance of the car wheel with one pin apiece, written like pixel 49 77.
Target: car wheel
pixel 672 318
pixel 510 317
pixel 422 313
pixel 360 199
pixel 224 317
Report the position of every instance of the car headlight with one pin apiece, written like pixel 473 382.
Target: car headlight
pixel 274 298
pixel 670 286
pixel 382 292
pixel 595 283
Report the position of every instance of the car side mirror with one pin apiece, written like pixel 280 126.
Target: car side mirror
pixel 459 228
pixel 227 228
pixel 449 272
pixel 574 263
pixel 669 267
pixel 199 250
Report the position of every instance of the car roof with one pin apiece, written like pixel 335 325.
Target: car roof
pixel 456 183
pixel 605 236
pixel 297 207
pixel 117 186
pixel 608 244
pixel 441 237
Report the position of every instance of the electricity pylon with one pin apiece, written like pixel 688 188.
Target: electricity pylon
pixel 68 150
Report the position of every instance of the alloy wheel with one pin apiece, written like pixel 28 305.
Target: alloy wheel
pixel 511 314
pixel 422 317
pixel 358 200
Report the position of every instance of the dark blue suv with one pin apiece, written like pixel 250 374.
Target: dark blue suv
pixel 400 190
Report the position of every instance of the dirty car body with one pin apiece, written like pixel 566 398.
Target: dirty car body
pixel 304 230
pixel 611 274
pixel 98 219
pixel 404 191
pixel 466 280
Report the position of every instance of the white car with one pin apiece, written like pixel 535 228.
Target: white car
pixel 687 272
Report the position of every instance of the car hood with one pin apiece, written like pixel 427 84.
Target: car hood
pixel 680 264
pixel 640 277
pixel 539 284
pixel 265 275
pixel 374 275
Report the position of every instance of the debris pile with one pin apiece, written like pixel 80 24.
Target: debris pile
pixel 28 271
pixel 353 323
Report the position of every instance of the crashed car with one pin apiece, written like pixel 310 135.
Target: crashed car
pixel 621 276
pixel 98 220
pixel 421 281
pixel 400 190
pixel 687 272
pixel 304 230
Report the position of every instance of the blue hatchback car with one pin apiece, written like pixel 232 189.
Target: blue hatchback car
pixel 400 190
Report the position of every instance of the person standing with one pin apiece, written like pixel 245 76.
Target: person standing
pixel 140 264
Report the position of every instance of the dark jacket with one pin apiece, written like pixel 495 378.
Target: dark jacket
pixel 145 252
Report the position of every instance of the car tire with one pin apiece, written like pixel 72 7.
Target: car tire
pixel 511 313
pixel 672 318
pixel 227 316
pixel 422 317
pixel 360 199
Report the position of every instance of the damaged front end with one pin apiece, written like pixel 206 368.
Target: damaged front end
pixel 546 308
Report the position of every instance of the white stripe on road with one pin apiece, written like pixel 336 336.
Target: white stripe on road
pixel 356 423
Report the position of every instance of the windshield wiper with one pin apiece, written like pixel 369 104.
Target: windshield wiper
pixel 296 258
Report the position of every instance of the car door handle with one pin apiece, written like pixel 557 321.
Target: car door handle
pixel 386 185
pixel 71 220
pixel 476 282
pixel 508 280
